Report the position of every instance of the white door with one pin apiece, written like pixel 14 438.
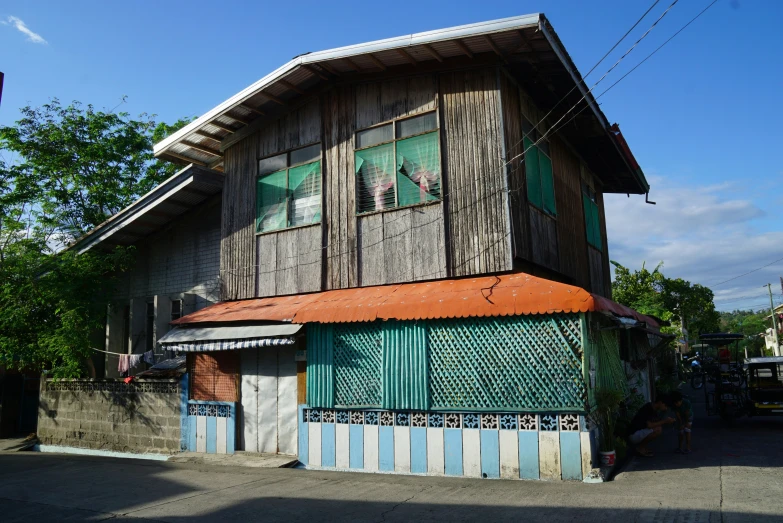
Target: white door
pixel 269 409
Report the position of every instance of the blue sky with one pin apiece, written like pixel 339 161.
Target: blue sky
pixel 703 116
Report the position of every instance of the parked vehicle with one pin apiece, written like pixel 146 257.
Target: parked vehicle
pixel 765 386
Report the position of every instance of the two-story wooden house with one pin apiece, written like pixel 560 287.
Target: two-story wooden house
pixel 413 264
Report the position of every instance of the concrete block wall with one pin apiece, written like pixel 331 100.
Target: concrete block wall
pixel 141 417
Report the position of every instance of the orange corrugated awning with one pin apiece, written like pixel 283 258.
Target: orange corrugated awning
pixel 505 295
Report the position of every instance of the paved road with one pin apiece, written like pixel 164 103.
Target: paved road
pixel 734 476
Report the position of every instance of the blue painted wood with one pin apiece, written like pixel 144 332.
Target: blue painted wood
pixel 184 424
pixel 452 450
pixel 528 454
pixel 328 454
pixel 419 450
pixel 211 435
pixel 490 454
pixel 386 449
pixel 192 433
pixel 304 438
pixel 570 455
pixel 356 446
pixel 231 428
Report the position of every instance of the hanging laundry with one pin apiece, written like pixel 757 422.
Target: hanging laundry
pixel 133 360
pixel 122 366
pixel 149 357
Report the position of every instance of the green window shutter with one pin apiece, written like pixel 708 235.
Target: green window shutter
pixel 405 368
pixel 596 226
pixel 418 169
pixel 304 182
pixel 375 174
pixel 547 184
pixel 272 202
pixel 532 175
pixel 587 203
pixel 320 368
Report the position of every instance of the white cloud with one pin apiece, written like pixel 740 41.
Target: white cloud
pixel 22 28
pixel 702 234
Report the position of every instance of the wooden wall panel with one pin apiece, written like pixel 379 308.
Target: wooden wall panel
pixel 571 231
pixel 607 278
pixel 289 262
pixel 543 230
pixel 472 153
pixel 403 245
pixel 598 279
pixel 512 134
pixel 237 244
pixel 339 124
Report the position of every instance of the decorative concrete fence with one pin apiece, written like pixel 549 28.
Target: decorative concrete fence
pixel 143 416
pixel 488 445
pixel 211 427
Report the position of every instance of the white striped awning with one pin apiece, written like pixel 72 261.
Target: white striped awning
pixel 218 345
pixel 211 339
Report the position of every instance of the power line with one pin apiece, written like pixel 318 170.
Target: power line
pixel 749 272
pixel 582 81
pixel 596 83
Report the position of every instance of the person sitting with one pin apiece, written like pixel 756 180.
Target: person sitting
pixel 684 411
pixel 647 425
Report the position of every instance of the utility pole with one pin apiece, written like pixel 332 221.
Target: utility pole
pixel 776 351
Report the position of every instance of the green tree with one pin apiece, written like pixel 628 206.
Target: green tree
pixel 652 293
pixel 73 167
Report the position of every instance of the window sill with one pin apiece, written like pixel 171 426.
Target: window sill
pixel 372 213
pixel 265 233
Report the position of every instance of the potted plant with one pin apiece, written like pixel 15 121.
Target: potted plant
pixel 607 406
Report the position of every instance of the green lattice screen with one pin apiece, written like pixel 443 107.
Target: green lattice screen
pixel 523 362
pixel 357 364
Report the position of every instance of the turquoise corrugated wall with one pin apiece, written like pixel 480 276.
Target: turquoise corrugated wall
pixel 405 369
pixel 320 371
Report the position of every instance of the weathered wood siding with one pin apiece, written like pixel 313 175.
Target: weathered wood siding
pixel 607 275
pixel 403 245
pixel 543 233
pixel 571 229
pixel 598 279
pixel 512 134
pixel 479 240
pixel 289 261
pixel 237 244
pixel 339 212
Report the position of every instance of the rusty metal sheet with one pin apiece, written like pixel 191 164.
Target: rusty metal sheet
pixel 504 295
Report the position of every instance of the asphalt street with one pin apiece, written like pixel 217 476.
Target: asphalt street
pixel 734 475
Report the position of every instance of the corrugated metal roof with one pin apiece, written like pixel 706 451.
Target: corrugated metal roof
pixel 168 200
pixel 506 295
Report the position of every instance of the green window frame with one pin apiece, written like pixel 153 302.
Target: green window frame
pixel 397 164
pixel 538 170
pixel 288 189
pixel 592 217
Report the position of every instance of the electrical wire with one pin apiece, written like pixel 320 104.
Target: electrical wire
pixel 749 272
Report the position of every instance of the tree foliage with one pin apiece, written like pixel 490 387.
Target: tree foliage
pixel 670 299
pixel 751 324
pixel 71 168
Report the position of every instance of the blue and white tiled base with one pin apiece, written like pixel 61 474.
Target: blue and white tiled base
pixel 506 445
pixel 211 427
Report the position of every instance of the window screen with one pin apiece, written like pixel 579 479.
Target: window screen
pixel 398 164
pixel 213 375
pixel 288 190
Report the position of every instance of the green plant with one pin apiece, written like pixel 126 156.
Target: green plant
pixel 607 406
pixel 620 447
